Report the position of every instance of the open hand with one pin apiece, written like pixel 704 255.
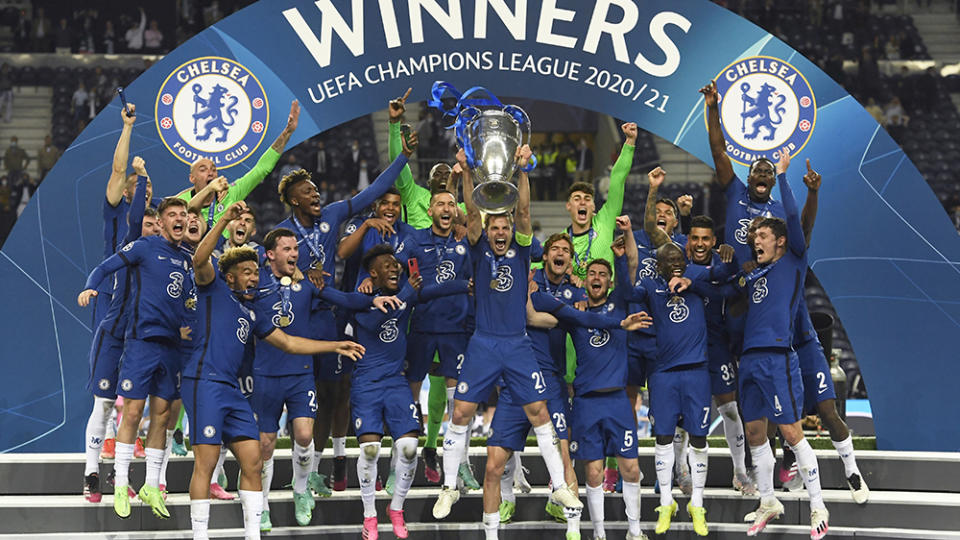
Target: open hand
pixel 636 321
pixel 350 349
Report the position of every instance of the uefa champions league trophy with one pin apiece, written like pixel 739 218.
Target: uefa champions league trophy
pixel 490 134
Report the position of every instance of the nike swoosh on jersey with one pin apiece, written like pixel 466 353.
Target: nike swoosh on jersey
pixel 428 250
pixel 624 450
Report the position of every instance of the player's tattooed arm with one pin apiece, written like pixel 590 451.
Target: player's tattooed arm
pixel 626 245
pixel 474 221
pixel 292 120
pixel 118 173
pixel 718 145
pixel 203 267
pixel 809 214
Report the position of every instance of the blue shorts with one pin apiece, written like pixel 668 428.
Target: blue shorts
pixel 389 399
pixel 511 426
pixel 328 367
pixel 680 397
pixel 297 392
pixel 218 412
pixel 817 382
pixel 770 385
pixel 640 351
pixel 105 353
pixel 420 351
pixel 723 370
pixel 495 356
pixel 603 424
pixel 150 367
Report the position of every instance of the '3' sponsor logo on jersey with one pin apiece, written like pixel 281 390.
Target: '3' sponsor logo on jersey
pixel 175 288
pixel 599 338
pixel 445 271
pixel 760 290
pixel 648 268
pixel 389 331
pixel 741 234
pixel 680 311
pixel 504 279
pixel 244 331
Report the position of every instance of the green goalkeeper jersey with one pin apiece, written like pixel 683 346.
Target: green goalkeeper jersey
pixel 415 198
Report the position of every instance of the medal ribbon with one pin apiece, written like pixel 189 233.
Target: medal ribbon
pixel 312 240
pixel 586 256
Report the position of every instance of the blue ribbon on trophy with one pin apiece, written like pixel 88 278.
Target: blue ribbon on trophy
pixel 489 133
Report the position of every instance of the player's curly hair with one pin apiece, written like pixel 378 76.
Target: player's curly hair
pixel 290 180
pixel 235 256
pixel 374 252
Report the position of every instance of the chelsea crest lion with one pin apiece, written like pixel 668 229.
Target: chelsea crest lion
pixel 765 105
pixel 212 108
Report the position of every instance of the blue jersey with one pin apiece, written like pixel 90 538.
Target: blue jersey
pixel 550 344
pixel 227 326
pixel 318 242
pixel 741 210
pixel 501 287
pixel 289 308
pixel 680 321
pixel 115 226
pixel 440 259
pixel 373 237
pixel 115 319
pixel 384 335
pixel 163 274
pixel 774 290
pixel 602 353
pixel 714 299
pixel 647 268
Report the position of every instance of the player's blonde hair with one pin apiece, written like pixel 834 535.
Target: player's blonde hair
pixel 290 180
pixel 234 256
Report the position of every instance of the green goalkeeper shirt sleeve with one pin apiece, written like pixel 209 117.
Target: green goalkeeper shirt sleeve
pixel 415 198
pixel 618 179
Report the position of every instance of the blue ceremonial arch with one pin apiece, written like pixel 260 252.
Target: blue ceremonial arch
pixel 883 247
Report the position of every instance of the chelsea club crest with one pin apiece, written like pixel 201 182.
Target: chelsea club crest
pixel 213 108
pixel 765 105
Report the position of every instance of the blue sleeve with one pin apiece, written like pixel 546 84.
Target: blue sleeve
pixel 138 206
pixel 379 186
pixel 370 239
pixel 350 301
pixel 735 190
pixel 723 271
pixel 110 265
pixel 795 239
pixel 536 250
pixel 570 316
pixel 624 280
pixel 373 318
pixel 447 288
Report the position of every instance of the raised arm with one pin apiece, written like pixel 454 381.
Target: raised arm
pixel 657 236
pixel 386 179
pixel 809 215
pixel 138 204
pixel 246 183
pixel 627 248
pixel 474 219
pixel 795 240
pixel 218 185
pixel 718 145
pixel 618 175
pixel 118 173
pixel 202 265
pixel 522 215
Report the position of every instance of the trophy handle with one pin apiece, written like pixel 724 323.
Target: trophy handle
pixel 525 127
pixel 464 117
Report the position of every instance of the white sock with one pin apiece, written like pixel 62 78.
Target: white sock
pixel 631 503
pixel 219 470
pixel 167 450
pixel 733 431
pixel 453 451
pixel 111 424
pixel 200 518
pixel 573 519
pixel 764 462
pixel 367 473
pixel 154 463
pixel 517 465
pixel 845 449
pixel 266 478
pixel 339 446
pixel 679 450
pixel 394 455
pixel 316 459
pixel 807 463
pixel 121 464
pixel 252 503
pixel 506 481
pixel 664 459
pixel 595 503
pixel 96 430
pixel 698 472
pixel 302 465
pixel 405 449
pixel 451 391
pixel 491 524
pixel 549 446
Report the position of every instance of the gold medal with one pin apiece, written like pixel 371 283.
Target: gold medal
pixel 190 303
pixel 676 300
pixel 493 284
pixel 286 281
pixel 284 321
